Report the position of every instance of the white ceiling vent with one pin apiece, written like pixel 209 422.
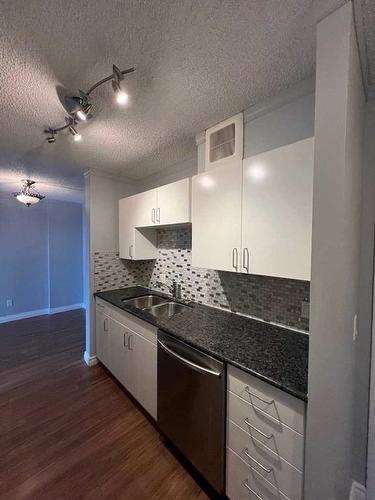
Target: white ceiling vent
pixel 224 142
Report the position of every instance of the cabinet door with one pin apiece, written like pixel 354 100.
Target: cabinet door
pixel 117 350
pixel 145 357
pixel 126 228
pixel 102 334
pixel 174 203
pixel 134 244
pixel 130 364
pixel 216 218
pixel 277 211
pixel 144 208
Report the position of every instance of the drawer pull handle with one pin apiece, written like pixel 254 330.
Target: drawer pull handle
pixel 246 484
pixel 267 436
pixel 258 397
pixel 266 469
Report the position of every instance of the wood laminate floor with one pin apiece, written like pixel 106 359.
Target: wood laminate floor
pixel 70 432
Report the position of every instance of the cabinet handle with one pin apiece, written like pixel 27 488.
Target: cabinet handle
pixel 153 215
pixel 246 259
pixel 235 258
pixel 266 469
pixel 125 340
pixel 130 251
pixel 130 344
pixel 265 401
pixel 105 325
pixel 246 484
pixel 158 214
pixel 267 436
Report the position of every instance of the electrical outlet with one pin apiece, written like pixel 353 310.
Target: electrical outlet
pixel 9 302
pixel 305 309
pixel 355 328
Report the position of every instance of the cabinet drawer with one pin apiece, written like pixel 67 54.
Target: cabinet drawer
pixel 149 332
pixel 269 399
pixel 275 435
pixel 102 306
pixel 241 478
pixel 279 473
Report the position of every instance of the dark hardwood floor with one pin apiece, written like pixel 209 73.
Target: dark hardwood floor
pixel 70 432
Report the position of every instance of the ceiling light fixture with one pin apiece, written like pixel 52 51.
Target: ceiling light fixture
pixel 28 196
pixel 79 107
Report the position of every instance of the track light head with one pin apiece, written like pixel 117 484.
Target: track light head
pixel 51 135
pixel 121 96
pixel 78 107
pixel 76 136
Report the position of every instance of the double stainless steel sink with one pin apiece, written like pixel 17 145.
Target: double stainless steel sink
pixel 159 307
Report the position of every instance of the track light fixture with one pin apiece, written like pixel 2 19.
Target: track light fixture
pixel 79 107
pixel 28 195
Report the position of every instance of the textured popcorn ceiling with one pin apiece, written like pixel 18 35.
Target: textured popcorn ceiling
pixel 198 62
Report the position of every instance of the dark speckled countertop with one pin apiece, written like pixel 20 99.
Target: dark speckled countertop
pixel 275 354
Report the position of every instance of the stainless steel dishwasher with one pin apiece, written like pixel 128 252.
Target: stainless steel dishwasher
pixel 191 405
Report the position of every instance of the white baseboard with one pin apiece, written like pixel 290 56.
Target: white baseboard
pixel 90 360
pixel 24 315
pixel 40 312
pixel 71 307
pixel 357 492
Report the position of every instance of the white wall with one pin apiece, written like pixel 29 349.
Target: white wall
pixel 102 193
pixel 335 259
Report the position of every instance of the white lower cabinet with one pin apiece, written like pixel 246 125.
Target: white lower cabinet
pixel 265 440
pixel 102 333
pixel 127 347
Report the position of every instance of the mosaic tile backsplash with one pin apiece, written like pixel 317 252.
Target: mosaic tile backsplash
pixel 272 299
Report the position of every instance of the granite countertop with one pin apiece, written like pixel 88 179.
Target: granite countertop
pixel 272 353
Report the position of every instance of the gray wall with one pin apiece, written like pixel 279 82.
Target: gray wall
pixel 23 257
pixel 65 253
pixel 335 260
pixel 40 255
pixel 286 124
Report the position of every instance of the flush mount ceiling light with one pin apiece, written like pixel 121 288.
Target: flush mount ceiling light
pixel 79 107
pixel 28 195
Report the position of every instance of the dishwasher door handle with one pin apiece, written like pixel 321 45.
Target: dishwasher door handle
pixel 187 362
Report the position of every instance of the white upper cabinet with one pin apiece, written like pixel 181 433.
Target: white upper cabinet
pixel 144 208
pixel 277 211
pixel 126 227
pixel 224 142
pixel 216 218
pixel 141 213
pixel 134 244
pixel 255 216
pixel 173 203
